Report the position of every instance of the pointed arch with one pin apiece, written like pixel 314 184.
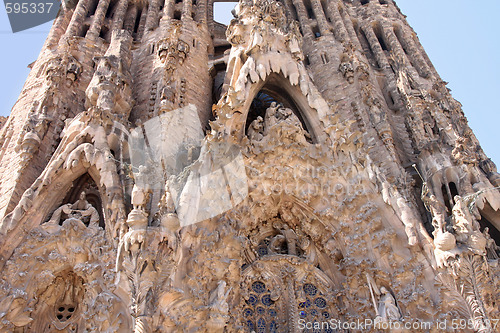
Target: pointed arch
pixel 279 89
pixel 87 152
pixel 87 184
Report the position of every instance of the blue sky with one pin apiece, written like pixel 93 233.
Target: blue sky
pixel 460 36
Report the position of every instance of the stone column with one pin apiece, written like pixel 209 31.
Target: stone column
pixel 119 16
pixel 414 54
pixel 290 9
pixel 187 6
pixel 349 27
pixel 324 27
pixel 210 13
pixel 339 30
pixel 60 24
pixel 97 21
pixel 303 18
pixel 77 19
pixel 375 46
pixel 152 18
pixel 201 11
pixel 427 66
pixel 169 9
pixel 130 18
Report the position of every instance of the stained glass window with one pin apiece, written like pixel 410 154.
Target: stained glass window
pixel 260 314
pixel 314 308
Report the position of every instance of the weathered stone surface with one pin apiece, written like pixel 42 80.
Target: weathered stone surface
pixel 161 172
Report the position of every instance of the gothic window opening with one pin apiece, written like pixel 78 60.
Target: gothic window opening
pixel 310 12
pixel 92 8
pixel 383 2
pixel 365 2
pixel 177 15
pixel 104 33
pixel 59 308
pixel 111 9
pixel 316 31
pixel 218 75
pixel 453 190
pixel 380 36
pixel 363 40
pixel 448 201
pixel 137 21
pixel 84 30
pixel 64 312
pixel 313 306
pixel 271 97
pixel 275 295
pixel 399 36
pixel 325 11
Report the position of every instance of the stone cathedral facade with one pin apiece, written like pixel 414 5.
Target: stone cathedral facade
pixel 302 169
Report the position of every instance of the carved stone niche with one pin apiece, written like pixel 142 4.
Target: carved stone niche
pixel 86 184
pixel 273 106
pixel 59 306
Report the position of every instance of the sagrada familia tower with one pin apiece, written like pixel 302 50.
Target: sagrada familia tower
pixel 303 169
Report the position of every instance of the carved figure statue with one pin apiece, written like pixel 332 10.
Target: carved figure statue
pixel 218 298
pixel 464 152
pixel 34 131
pixel 256 130
pixel 81 210
pixel 172 52
pixel 387 308
pixel 140 191
pixel 287 235
pixel 492 249
pixel 467 228
pixel 270 118
pixel 437 209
